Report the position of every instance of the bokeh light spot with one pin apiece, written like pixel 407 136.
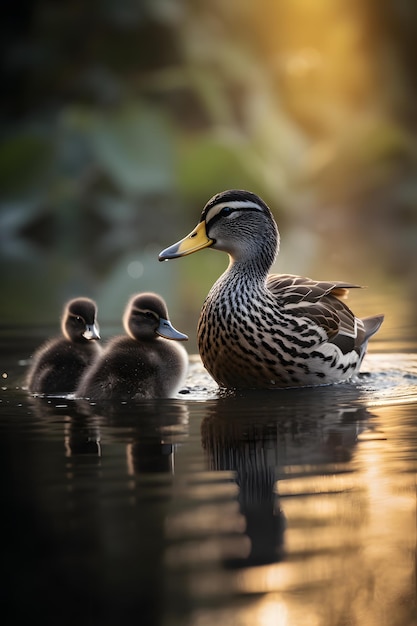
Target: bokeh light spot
pixel 135 269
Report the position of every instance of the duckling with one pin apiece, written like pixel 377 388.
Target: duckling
pixel 265 331
pixel 58 364
pixel 143 363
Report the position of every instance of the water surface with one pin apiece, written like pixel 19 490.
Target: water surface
pixel 287 507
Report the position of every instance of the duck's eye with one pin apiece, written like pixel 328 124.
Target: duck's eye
pixel 227 210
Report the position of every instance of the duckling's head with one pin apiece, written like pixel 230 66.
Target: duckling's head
pixel 237 222
pixel 146 318
pixel 79 320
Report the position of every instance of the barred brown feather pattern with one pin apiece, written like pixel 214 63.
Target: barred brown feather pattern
pixel 247 338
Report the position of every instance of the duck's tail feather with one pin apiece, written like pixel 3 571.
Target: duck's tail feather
pixel 372 325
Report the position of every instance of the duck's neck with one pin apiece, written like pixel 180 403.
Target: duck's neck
pixel 250 264
pixel 252 269
pixel 242 277
pixel 255 257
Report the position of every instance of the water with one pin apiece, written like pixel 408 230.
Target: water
pixel 289 507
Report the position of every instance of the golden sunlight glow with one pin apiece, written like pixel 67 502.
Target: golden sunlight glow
pixel 347 549
pixel 319 54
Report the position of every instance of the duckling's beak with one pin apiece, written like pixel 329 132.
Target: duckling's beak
pixel 166 329
pixel 91 332
pixel 196 240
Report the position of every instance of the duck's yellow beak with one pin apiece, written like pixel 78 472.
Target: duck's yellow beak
pixel 196 240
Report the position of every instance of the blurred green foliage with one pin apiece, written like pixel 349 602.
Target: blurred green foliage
pixel 120 119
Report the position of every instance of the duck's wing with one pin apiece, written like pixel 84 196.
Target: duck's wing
pixel 321 302
pixel 299 288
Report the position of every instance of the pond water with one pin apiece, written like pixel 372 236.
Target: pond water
pixel 289 507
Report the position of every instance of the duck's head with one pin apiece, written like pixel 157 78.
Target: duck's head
pixel 235 221
pixel 146 316
pixel 79 320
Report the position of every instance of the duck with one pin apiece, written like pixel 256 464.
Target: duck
pixel 146 362
pixel 58 364
pixel 264 331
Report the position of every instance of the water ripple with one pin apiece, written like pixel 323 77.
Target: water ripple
pixel 385 379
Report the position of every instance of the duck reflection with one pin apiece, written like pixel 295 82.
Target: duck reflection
pixel 265 438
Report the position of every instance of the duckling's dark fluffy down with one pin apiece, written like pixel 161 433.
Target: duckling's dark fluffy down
pixel 59 363
pixel 147 362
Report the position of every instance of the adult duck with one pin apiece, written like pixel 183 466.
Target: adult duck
pixel 143 363
pixel 59 363
pixel 266 331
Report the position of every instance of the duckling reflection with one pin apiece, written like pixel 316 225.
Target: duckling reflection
pixel 310 429
pixel 82 435
pixel 155 429
pixel 155 440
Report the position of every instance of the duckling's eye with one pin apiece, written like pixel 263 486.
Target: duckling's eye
pixel 149 315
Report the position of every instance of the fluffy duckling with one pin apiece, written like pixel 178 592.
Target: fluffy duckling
pixel 144 363
pixel 58 364
pixel 266 331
